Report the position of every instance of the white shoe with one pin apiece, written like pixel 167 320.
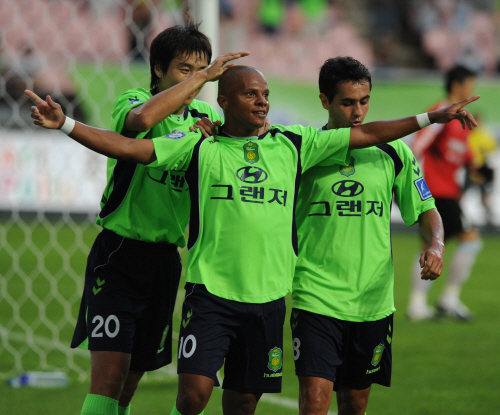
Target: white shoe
pixel 417 312
pixel 458 311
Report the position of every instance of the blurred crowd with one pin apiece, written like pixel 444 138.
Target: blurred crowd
pixel 40 39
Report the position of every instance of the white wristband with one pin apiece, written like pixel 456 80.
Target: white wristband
pixel 423 120
pixel 68 125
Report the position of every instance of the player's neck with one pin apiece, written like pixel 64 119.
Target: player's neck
pixel 239 131
pixel 330 125
pixel 454 98
pixel 180 110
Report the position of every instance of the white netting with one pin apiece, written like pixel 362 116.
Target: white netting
pixel 83 53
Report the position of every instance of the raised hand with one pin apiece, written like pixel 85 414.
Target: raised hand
pixel 217 68
pixel 47 114
pixel 455 112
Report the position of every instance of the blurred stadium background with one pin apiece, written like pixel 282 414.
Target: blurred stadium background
pixel 84 53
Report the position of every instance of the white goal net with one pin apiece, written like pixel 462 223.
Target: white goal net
pixel 83 53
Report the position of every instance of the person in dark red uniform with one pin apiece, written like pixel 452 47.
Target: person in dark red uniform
pixel 443 151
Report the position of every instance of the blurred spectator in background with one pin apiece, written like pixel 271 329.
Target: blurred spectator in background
pixel 138 29
pixel 444 150
pixel 386 23
pixel 292 38
pixel 28 69
pixel 483 144
pixel 271 15
pixel 457 32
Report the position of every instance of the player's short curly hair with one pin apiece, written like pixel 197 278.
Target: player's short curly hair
pixel 336 71
pixel 174 42
pixel 458 73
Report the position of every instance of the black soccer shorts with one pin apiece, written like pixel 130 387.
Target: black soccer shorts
pixel 128 300
pixel 248 336
pixel 350 354
pixel 454 221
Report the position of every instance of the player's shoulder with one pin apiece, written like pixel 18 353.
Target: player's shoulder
pixel 135 94
pixel 199 109
pixel 132 97
pixel 438 105
pixel 400 147
pixel 397 153
pixel 299 130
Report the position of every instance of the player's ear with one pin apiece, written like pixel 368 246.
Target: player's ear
pixel 158 71
pixel 324 100
pixel 222 101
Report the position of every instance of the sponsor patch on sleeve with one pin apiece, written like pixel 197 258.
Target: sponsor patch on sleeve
pixel 133 101
pixel 422 188
pixel 175 135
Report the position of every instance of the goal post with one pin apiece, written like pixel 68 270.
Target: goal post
pixel 207 12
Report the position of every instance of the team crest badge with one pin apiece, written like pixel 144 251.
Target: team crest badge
pixel 348 170
pixel 163 339
pixel 377 354
pixel 176 134
pixel 275 359
pixel 251 152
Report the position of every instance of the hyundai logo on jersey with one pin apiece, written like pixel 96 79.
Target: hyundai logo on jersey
pixel 251 174
pixel 423 189
pixel 347 188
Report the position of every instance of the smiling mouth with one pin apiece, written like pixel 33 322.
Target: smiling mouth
pixel 260 113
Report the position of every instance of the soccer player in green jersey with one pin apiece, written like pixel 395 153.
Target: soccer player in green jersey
pixel 242 243
pixel 343 288
pixel 134 268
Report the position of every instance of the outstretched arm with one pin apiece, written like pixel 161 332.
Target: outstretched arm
pixel 160 106
pixel 381 132
pixel 48 114
pixel 431 260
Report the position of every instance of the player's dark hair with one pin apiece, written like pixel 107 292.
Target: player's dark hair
pixel 458 73
pixel 336 71
pixel 174 42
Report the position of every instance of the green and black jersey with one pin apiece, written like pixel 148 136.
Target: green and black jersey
pixel 143 203
pixel 345 265
pixel 242 235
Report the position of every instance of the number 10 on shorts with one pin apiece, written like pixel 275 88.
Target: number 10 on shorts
pixel 187 347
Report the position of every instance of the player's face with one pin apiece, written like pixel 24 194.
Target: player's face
pixel 349 105
pixel 248 103
pixel 180 69
pixel 466 88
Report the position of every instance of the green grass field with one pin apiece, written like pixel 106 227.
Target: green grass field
pixel 442 367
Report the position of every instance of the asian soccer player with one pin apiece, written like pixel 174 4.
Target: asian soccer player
pixel 243 243
pixel 134 268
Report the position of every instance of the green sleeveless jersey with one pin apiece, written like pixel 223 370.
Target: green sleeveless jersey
pixel 345 265
pixel 242 235
pixel 143 203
